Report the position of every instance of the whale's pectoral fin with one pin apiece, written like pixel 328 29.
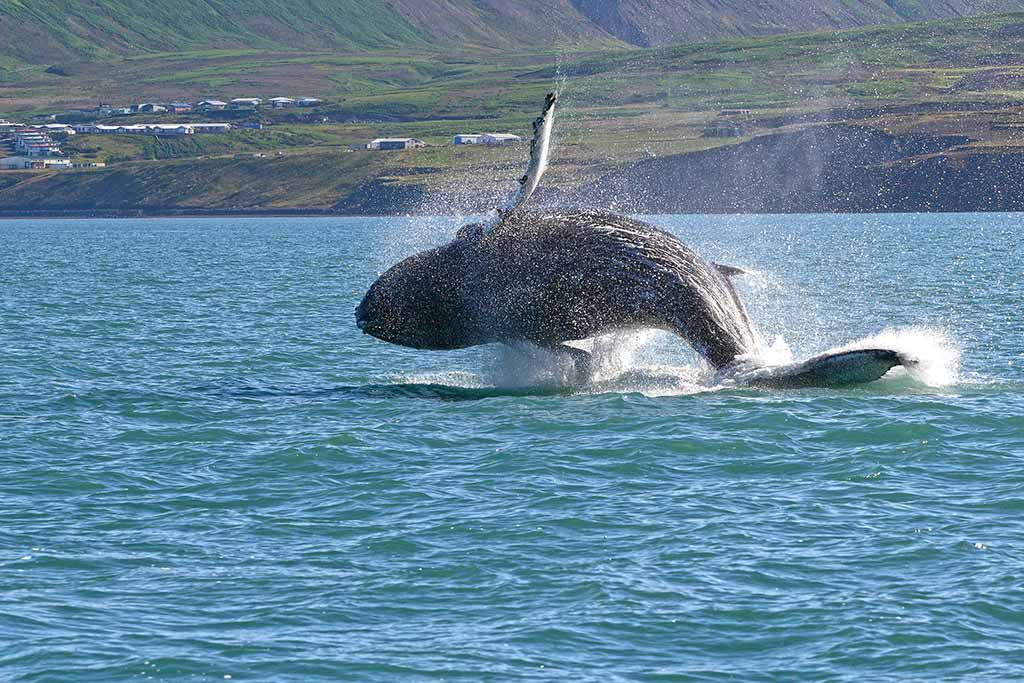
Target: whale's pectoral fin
pixel 729 271
pixel 540 146
pixel 837 369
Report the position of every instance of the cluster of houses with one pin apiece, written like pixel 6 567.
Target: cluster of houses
pixel 492 139
pixel 103 111
pixel 256 102
pixel 32 142
pixel 168 130
pixel 34 148
pixel 159 129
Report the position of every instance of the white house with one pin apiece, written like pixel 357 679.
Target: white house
pixel 308 102
pixel 394 143
pixel 281 102
pixel 12 163
pixel 245 103
pixel 210 127
pixel 499 139
pixel 170 130
pixel 159 129
pixel 211 105
pixel 59 129
pixel 8 126
pixel 33 143
pixel 467 139
pixel 21 163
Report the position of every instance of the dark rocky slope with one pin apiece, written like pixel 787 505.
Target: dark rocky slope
pixel 830 168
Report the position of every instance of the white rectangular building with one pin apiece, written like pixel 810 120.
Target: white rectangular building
pixel 22 163
pixel 210 127
pixel 245 103
pixel 395 143
pixel 499 139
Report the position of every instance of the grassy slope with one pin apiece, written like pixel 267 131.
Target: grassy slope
pixel 49 31
pixel 618 106
pixel 69 31
pixel 889 63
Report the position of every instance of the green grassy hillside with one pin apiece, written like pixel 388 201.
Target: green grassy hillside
pixel 57 32
pixel 947 61
pixel 52 31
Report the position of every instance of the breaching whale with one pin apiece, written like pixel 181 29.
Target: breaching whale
pixel 548 277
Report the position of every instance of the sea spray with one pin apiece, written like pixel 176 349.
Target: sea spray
pixel 527 364
pixel 635 361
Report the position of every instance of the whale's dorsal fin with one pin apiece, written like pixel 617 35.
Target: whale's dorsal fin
pixel 729 271
pixel 540 147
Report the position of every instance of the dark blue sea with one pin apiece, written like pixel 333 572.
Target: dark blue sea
pixel 207 472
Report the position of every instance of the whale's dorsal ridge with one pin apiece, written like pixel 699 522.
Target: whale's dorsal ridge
pixel 540 147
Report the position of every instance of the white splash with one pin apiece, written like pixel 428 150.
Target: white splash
pixel 635 362
pixel 621 362
pixel 775 353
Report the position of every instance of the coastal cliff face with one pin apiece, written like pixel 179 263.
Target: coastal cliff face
pixel 829 168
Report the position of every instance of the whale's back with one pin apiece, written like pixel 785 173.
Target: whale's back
pixel 557 276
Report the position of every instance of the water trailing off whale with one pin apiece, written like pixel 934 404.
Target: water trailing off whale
pixel 549 277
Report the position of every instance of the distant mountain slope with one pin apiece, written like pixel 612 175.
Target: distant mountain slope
pixel 55 31
pixel 664 22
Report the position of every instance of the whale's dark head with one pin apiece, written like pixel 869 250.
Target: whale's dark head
pixel 417 303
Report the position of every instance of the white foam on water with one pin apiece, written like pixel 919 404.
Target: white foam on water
pixel 621 362
pixel 659 364
pixel 455 379
pixel 632 362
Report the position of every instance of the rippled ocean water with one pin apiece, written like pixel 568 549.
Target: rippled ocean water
pixel 206 471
